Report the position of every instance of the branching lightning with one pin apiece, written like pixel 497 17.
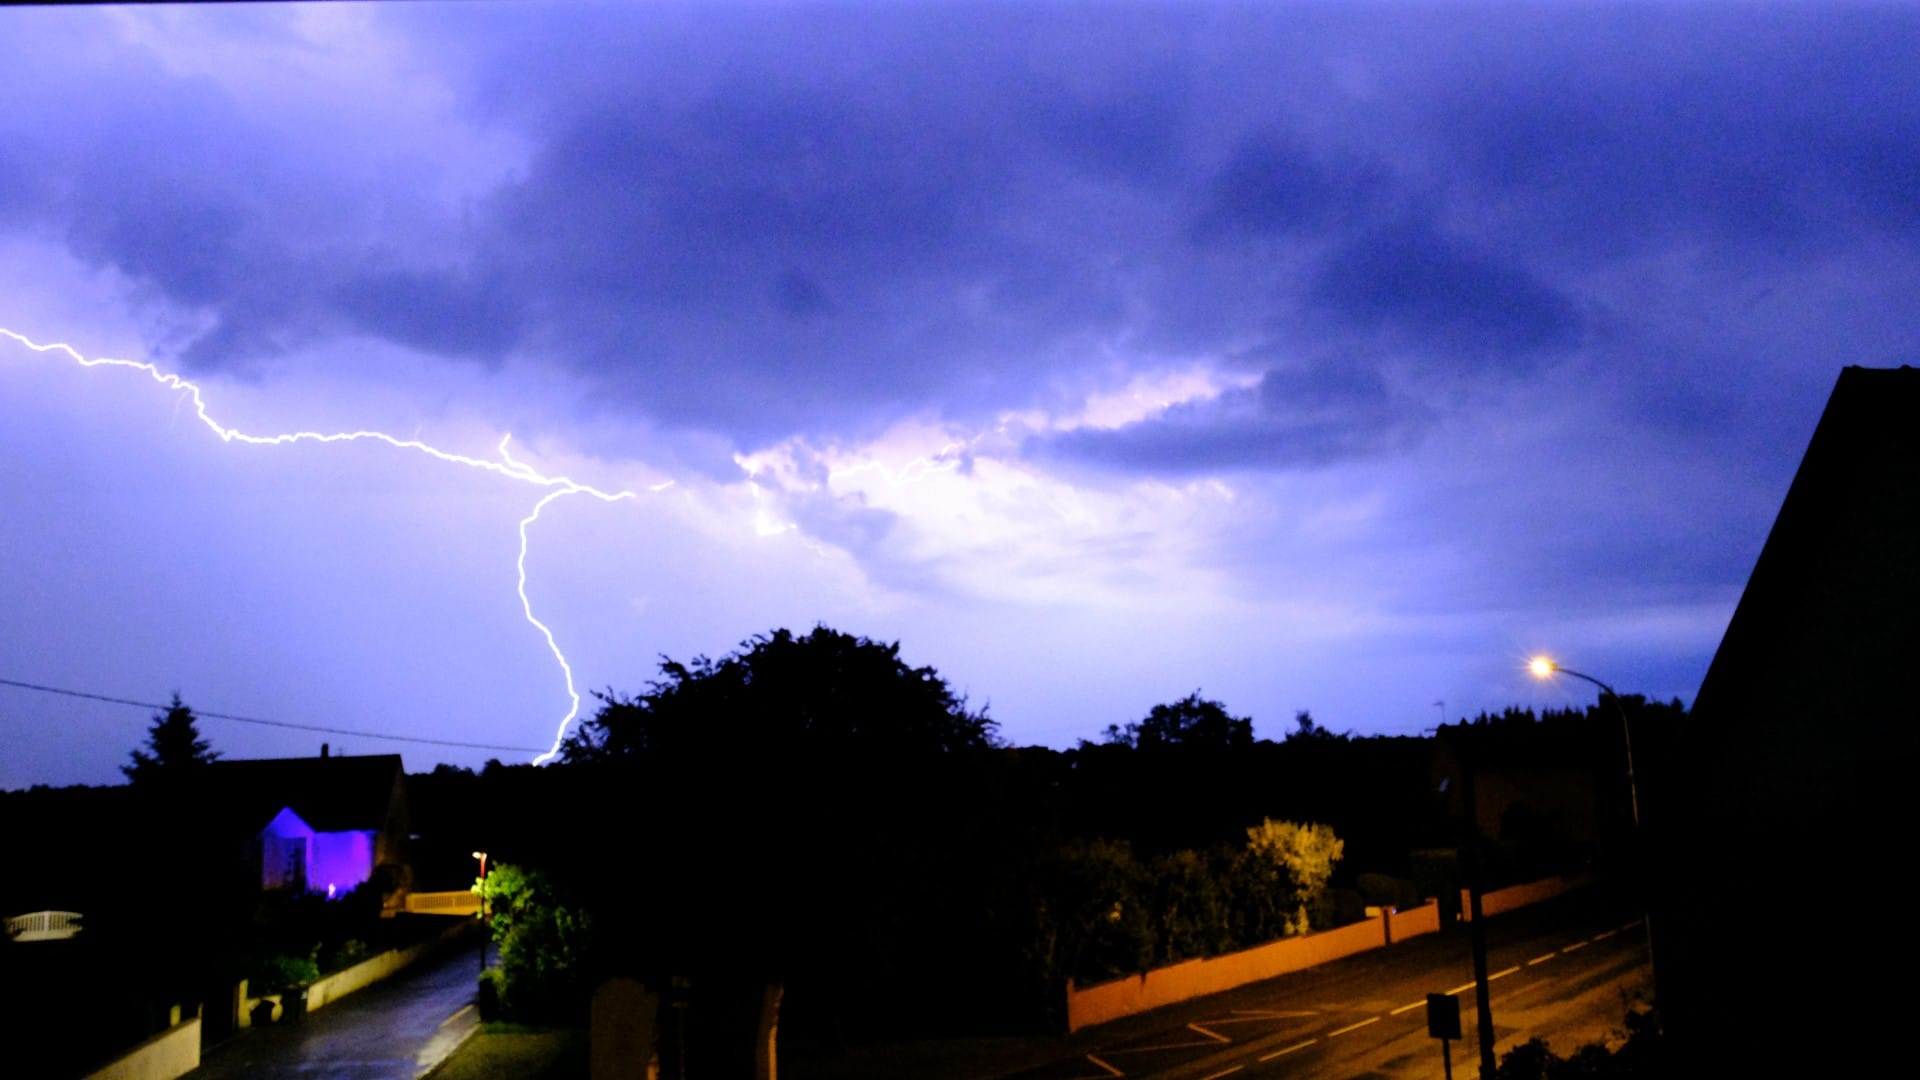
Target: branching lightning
pixel 507 466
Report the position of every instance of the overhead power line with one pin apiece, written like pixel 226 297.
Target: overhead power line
pixel 267 723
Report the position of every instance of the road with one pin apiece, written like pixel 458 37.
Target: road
pixel 1566 974
pixel 393 1030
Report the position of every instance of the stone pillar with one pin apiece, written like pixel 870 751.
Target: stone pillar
pixel 766 1036
pixel 620 1039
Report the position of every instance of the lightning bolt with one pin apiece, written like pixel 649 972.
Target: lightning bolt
pixel 507 466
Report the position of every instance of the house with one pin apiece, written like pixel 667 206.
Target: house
pixel 1782 873
pixel 319 824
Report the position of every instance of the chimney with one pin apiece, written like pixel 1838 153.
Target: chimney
pixel 323 749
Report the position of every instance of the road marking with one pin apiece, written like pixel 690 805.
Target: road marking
pixel 1605 936
pixel 1354 1027
pixel 1461 989
pixel 1406 1008
pixel 1503 974
pixel 1210 1034
pixel 1111 1071
pixel 1162 1046
pixel 1541 959
pixel 462 1011
pixel 1575 945
pixel 1290 1049
pixel 1242 1016
pixel 1223 1072
pixel 1631 925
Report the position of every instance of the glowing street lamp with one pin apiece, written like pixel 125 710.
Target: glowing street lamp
pixel 481 889
pixel 1544 668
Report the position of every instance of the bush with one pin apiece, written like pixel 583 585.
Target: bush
pixel 344 955
pixel 542 943
pixel 280 973
pixel 1643 1055
pixel 1381 890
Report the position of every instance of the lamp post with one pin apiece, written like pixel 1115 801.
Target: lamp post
pixel 1545 668
pixel 482 856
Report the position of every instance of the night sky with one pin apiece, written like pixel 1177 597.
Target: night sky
pixel 1321 357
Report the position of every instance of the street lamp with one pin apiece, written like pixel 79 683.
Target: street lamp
pixel 481 889
pixel 1545 668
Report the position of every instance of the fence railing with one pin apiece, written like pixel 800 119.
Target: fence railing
pixel 463 902
pixel 44 925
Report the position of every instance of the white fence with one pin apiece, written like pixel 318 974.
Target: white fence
pixel 44 925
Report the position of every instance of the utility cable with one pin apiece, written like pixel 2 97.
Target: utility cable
pixel 265 723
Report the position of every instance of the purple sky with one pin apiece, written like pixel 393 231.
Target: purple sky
pixel 1313 357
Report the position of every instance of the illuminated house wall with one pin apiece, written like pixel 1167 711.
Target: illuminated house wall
pixel 295 856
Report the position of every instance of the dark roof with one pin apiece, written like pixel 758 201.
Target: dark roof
pixel 1817 662
pixel 331 794
pixel 1797 762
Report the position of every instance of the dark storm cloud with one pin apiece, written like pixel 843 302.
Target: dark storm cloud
pixel 1770 125
pixel 1321 415
pixel 451 313
pixel 1429 291
pixel 762 221
pixel 1276 183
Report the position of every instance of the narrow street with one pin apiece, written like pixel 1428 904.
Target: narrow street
pixel 394 1030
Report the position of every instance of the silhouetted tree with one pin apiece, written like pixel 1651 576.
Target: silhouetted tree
pixel 826 691
pixel 1192 723
pixel 175 743
pixel 1306 729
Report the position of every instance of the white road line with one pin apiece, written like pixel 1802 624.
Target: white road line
pixel 1605 936
pixel 1210 1034
pixel 1354 1027
pixel 1223 1072
pixel 462 1011
pixel 1152 1049
pixel 1503 974
pixel 1575 945
pixel 1111 1071
pixel 1461 989
pixel 1631 925
pixel 1242 1016
pixel 1290 1049
pixel 1407 1008
pixel 1541 959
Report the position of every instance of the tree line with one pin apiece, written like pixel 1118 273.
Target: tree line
pixel 812 810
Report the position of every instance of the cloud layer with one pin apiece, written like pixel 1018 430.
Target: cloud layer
pixel 1436 331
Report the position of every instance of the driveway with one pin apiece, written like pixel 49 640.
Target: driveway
pixel 394 1030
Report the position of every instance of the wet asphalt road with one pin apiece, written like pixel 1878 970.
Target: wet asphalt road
pixel 394 1030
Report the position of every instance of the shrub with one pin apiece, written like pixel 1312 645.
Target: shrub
pixel 344 955
pixel 280 972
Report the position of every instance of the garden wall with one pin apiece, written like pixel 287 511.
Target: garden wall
pixel 1197 978
pixel 1189 979
pixel 174 1052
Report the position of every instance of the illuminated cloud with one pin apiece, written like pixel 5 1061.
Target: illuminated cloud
pixel 1094 357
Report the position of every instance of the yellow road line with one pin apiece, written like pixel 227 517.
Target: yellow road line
pixel 1503 974
pixel 1408 1007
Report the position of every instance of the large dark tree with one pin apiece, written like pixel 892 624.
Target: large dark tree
pixel 173 745
pixel 826 691
pixel 1192 723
